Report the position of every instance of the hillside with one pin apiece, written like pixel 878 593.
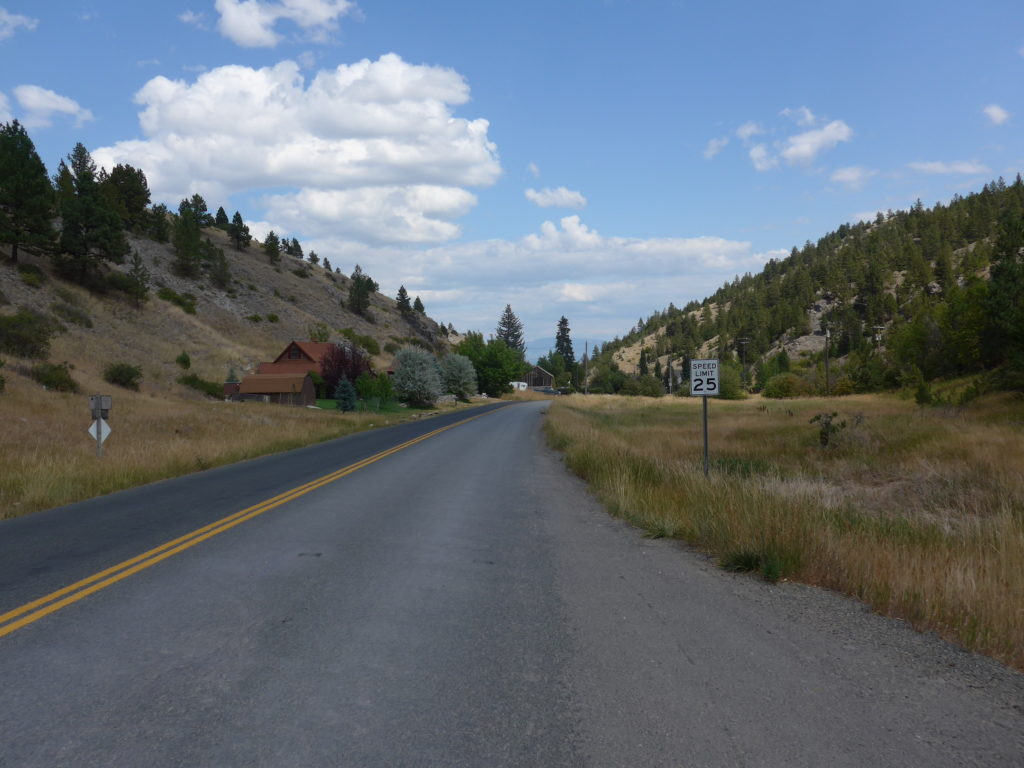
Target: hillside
pixel 912 297
pixel 232 330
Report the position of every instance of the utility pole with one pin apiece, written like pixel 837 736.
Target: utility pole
pixel 743 358
pixel 828 335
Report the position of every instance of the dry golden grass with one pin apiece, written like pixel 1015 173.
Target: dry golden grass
pixel 919 513
pixel 48 458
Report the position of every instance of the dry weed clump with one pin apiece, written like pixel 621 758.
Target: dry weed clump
pixel 919 513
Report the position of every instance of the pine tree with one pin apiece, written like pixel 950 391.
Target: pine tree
pixel 159 228
pixel 221 220
pixel 272 247
pixel 403 299
pixel 345 396
pixel 187 242
pixel 91 232
pixel 313 258
pixel 238 232
pixel 563 343
pixel 327 264
pixel 417 306
pixel 26 197
pixel 128 190
pixel 138 277
pixel 198 206
pixel 359 292
pixel 510 330
pixel 217 265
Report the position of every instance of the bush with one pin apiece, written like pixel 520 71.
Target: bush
pixel 254 318
pixel 783 385
pixel 27 333
pixel 31 275
pixel 184 300
pixel 300 272
pixel 71 314
pixel 273 318
pixel 208 388
pixel 417 378
pixel 184 361
pixel 55 376
pixel 458 376
pixel 377 387
pixel 123 375
pixel 370 344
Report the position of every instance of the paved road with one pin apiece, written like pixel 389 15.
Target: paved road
pixel 460 602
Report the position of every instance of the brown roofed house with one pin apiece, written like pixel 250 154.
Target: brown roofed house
pixel 281 388
pixel 297 357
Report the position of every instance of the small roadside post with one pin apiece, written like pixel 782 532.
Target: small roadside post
pixel 704 384
pixel 99 407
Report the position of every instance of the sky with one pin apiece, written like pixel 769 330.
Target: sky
pixel 596 159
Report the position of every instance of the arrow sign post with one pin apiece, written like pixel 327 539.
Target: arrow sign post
pixel 99 430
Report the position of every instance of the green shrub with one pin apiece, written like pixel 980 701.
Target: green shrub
pixel 120 281
pixel 273 318
pixel 783 385
pixel 377 387
pixel 370 344
pixel 254 318
pixel 184 300
pixel 184 361
pixel 31 275
pixel 300 272
pixel 27 333
pixel 123 375
pixel 458 376
pixel 55 376
pixel 72 314
pixel 208 388
pixel 390 347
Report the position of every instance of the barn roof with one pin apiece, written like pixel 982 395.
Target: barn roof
pixel 258 384
pixel 286 367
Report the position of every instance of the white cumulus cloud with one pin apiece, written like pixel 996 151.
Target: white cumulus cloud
pixel 748 130
pixel 534 170
pixel 372 134
pixel 762 159
pixel 5 109
pixel 804 148
pixel 802 116
pixel 996 114
pixel 9 23
pixel 251 23
pixel 191 17
pixel 41 105
pixel 714 146
pixel 957 167
pixel 852 177
pixel 557 198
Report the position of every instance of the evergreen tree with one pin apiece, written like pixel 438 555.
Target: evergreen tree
pixel 417 306
pixel 199 209
pixel 327 264
pixel 217 265
pixel 159 227
pixel 138 277
pixel 26 197
pixel 345 396
pixel 187 242
pixel 403 300
pixel 313 258
pixel 238 232
pixel 359 292
pixel 563 343
pixel 91 232
pixel 510 330
pixel 128 191
pixel 221 220
pixel 272 247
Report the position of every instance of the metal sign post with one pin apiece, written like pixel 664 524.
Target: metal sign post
pixel 704 384
pixel 99 406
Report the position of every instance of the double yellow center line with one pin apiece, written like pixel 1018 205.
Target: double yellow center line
pixel 44 606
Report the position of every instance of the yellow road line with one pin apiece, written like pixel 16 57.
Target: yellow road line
pixel 44 606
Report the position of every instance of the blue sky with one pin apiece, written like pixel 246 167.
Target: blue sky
pixel 586 158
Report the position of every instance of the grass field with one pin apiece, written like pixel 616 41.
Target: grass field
pixel 48 458
pixel 917 512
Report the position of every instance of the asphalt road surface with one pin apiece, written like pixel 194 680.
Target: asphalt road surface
pixel 461 601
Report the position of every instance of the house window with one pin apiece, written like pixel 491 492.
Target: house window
pixel 294 353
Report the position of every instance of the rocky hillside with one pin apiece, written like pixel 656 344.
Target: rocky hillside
pixel 231 329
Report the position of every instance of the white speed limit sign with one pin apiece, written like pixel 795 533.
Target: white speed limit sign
pixel 704 378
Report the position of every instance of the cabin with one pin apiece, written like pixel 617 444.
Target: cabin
pixel 280 388
pixel 538 378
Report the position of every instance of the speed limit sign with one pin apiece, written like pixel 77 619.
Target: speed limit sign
pixel 704 378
